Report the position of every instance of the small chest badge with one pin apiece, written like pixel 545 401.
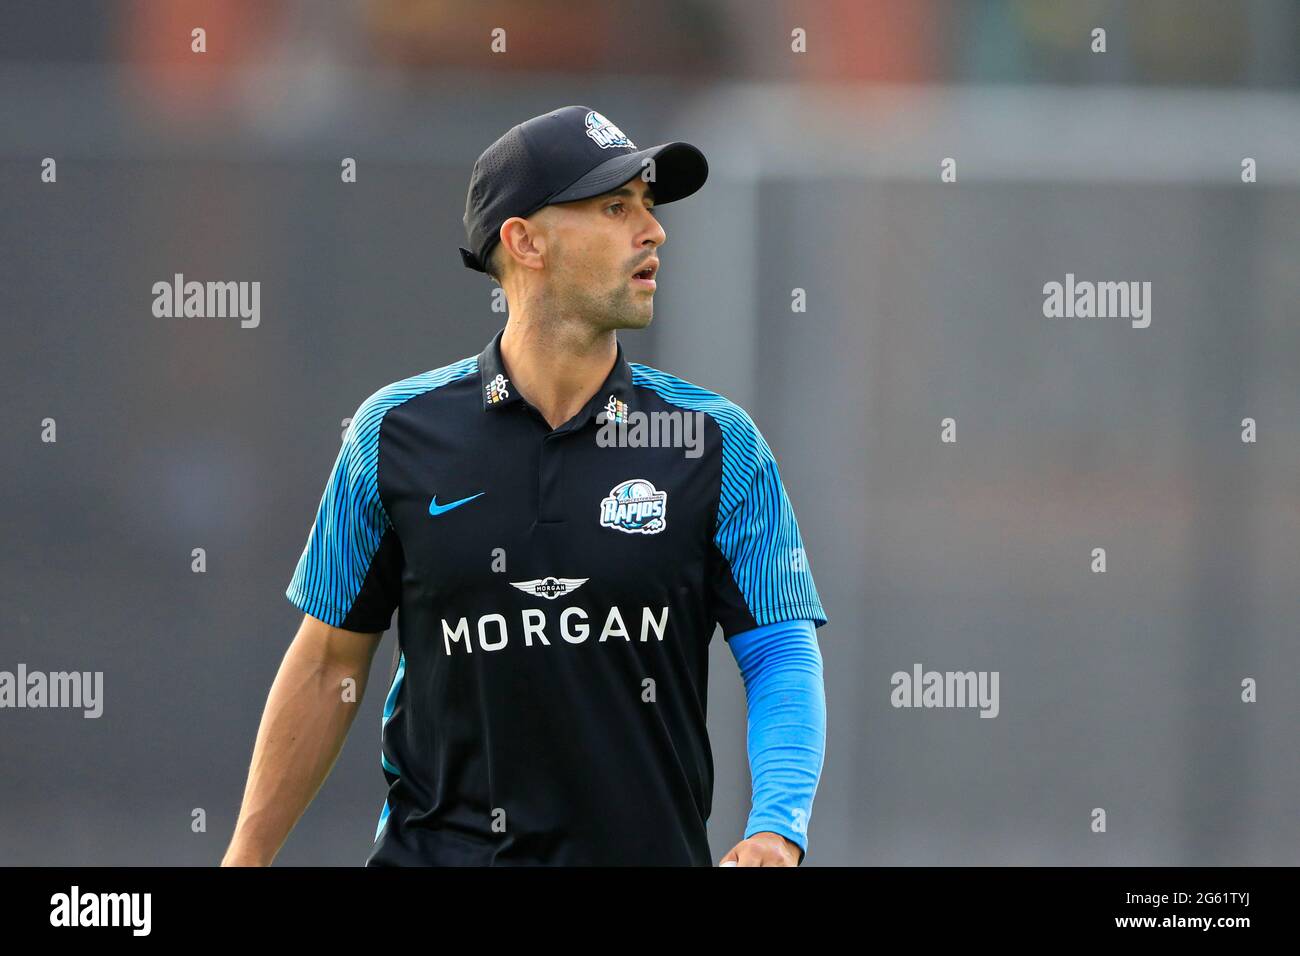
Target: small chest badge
pixel 636 507
pixel 616 411
pixel 498 389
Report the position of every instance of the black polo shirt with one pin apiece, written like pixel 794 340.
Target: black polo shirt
pixel 558 590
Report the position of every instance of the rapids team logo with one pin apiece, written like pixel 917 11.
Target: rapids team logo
pixel 636 507
pixel 605 134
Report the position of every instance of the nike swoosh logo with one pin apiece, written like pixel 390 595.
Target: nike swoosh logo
pixel 437 509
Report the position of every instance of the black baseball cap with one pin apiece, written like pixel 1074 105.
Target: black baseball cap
pixel 561 156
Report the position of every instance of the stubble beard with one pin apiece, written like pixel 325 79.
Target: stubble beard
pixel 622 307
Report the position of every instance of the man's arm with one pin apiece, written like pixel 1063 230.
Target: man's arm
pixel 781 666
pixel 767 605
pixel 302 731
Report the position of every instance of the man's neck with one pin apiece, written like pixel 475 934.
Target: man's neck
pixel 557 366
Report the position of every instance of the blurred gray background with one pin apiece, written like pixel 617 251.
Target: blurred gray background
pixel 1118 690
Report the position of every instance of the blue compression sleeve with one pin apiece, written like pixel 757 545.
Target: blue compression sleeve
pixel 781 665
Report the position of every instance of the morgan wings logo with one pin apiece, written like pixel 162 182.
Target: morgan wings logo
pixel 550 588
pixel 636 507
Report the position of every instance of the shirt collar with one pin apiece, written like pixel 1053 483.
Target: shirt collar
pixel 614 396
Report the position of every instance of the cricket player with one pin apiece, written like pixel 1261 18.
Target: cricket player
pixel 561 531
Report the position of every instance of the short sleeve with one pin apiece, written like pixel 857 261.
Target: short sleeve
pixel 349 574
pixel 761 572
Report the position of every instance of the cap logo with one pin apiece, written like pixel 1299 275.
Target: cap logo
pixel 605 134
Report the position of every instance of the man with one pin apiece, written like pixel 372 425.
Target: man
pixel 558 580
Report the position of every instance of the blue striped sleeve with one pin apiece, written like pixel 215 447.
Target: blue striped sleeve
pixel 343 547
pixel 350 571
pixel 759 570
pixel 758 537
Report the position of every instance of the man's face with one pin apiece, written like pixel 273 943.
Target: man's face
pixel 594 247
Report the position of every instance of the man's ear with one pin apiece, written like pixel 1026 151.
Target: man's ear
pixel 524 240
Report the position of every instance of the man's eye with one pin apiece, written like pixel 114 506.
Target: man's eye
pixel 619 207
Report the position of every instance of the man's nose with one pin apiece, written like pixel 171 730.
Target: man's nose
pixel 655 234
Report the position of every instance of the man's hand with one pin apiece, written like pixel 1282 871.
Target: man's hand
pixel 763 849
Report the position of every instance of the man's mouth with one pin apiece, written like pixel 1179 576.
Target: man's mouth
pixel 645 277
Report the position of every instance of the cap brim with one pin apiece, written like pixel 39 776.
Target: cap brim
pixel 679 170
